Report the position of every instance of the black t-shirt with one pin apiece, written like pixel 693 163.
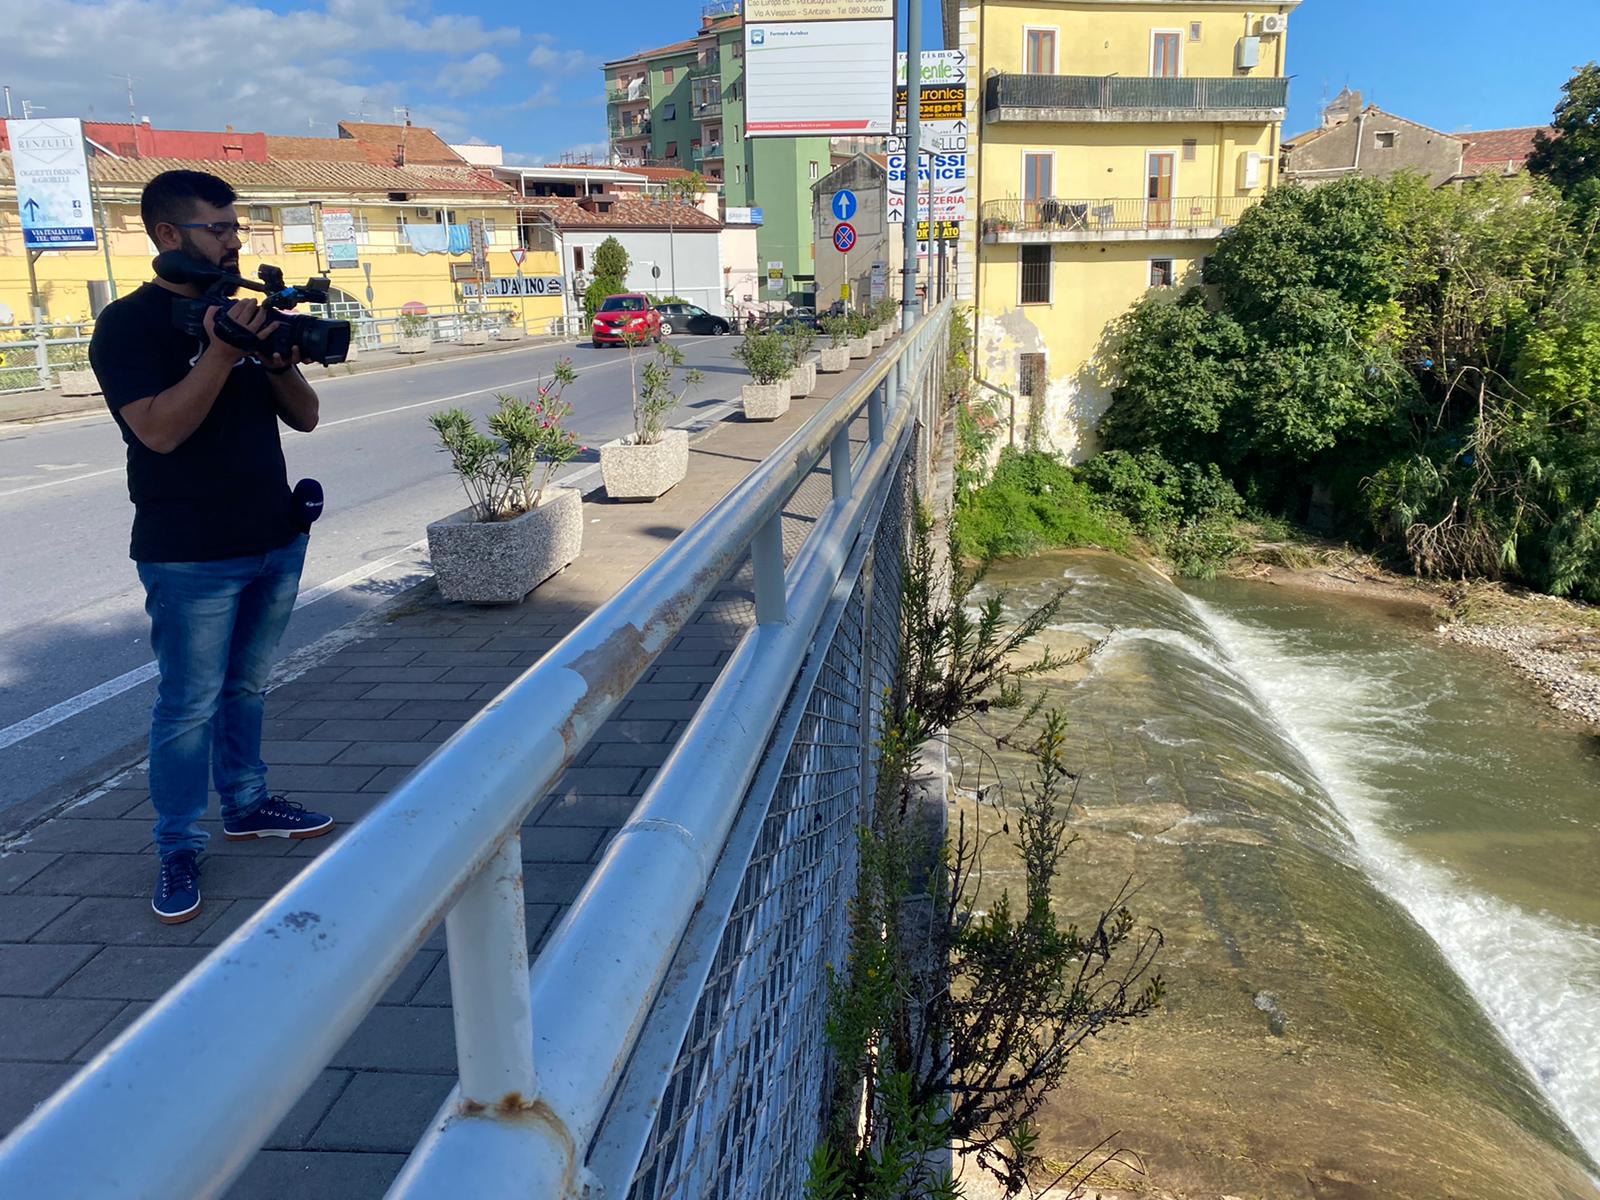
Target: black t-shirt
pixel 223 493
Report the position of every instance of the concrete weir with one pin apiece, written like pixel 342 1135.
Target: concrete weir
pixel 1317 1041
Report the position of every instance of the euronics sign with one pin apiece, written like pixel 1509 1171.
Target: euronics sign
pixel 52 174
pixel 817 68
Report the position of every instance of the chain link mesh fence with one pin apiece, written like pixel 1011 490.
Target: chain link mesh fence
pixel 744 1107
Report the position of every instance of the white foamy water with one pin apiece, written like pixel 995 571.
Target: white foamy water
pixel 1536 975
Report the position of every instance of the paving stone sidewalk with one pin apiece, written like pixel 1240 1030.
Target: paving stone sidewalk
pixel 81 956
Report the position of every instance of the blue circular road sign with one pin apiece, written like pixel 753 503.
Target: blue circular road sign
pixel 844 236
pixel 844 205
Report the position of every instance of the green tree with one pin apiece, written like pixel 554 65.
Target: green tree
pixel 1569 156
pixel 610 274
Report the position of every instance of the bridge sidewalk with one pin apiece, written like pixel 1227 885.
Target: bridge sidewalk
pixel 81 955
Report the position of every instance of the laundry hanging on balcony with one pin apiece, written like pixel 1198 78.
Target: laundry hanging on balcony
pixel 431 239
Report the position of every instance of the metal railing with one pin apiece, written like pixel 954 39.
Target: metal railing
pixel 1125 92
pixel 668 1036
pixel 710 106
pixel 1088 217
pixel 33 356
pixel 633 94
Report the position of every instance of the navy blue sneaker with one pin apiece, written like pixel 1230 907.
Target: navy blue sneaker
pixel 177 897
pixel 277 817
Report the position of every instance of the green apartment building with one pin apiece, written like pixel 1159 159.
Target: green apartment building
pixel 683 106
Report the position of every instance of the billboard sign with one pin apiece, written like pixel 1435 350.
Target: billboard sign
pixel 339 236
pixel 942 175
pixel 938 68
pixel 818 68
pixel 52 176
pixel 299 230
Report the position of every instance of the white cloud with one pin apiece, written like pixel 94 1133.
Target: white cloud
pixel 550 58
pixel 203 64
pixel 473 75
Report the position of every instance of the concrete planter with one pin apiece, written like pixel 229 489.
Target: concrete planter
pixel 508 333
pixel 765 401
pixel 879 336
pixel 799 383
pixel 474 337
pixel 835 359
pixel 500 562
pixel 861 347
pixel 413 343
pixel 77 383
pixel 644 472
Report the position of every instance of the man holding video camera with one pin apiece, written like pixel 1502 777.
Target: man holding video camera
pixel 217 537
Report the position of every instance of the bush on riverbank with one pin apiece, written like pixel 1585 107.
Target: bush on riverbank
pixel 1033 501
pixel 1418 369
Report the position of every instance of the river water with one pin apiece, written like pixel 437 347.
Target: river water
pixel 1376 861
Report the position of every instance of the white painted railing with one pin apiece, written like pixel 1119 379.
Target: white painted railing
pixel 690 919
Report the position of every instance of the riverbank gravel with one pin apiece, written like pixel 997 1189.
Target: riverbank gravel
pixel 1563 663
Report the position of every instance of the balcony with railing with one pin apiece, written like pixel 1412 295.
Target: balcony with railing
pixel 711 152
pixel 707 105
pixel 626 131
pixel 1120 220
pixel 1092 99
pixel 634 92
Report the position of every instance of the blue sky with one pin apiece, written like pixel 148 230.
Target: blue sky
pixel 526 74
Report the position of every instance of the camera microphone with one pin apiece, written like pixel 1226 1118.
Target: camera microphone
pixel 307 505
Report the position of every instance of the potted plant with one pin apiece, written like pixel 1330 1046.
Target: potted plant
pixel 509 328
pixel 518 530
pixel 802 372
pixel 860 335
pixel 474 328
pixel 888 313
pixel 766 357
pixel 412 333
pixel 654 459
pixel 836 354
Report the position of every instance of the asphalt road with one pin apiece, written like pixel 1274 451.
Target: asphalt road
pixel 76 677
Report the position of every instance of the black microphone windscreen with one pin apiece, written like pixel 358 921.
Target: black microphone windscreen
pixel 307 503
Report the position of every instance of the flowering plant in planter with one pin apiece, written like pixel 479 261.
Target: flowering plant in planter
pixel 653 394
pixel 500 473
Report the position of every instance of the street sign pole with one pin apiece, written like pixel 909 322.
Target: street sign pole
pixel 908 313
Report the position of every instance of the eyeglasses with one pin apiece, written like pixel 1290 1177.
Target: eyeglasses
pixel 218 229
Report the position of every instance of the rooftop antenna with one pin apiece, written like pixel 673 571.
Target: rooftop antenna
pixel 133 112
pixel 361 109
pixel 29 108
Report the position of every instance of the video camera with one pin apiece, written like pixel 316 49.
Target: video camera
pixel 318 340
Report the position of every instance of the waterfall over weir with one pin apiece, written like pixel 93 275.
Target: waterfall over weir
pixel 1374 865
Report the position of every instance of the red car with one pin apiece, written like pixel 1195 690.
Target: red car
pixel 624 316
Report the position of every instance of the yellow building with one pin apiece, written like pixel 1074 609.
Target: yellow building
pixel 397 210
pixel 1117 140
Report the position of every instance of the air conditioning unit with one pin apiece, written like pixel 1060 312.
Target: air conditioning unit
pixel 1274 23
pixel 427 214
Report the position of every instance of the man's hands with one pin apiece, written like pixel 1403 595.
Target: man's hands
pixel 252 318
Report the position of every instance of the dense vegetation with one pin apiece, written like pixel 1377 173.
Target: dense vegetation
pixel 1415 369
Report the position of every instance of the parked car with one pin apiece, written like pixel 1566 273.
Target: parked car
pixel 626 314
pixel 691 318
pixel 798 319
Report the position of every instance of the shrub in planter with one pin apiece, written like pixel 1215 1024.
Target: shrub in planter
pixel 766 357
pixel 517 531
pixel 802 373
pixel 836 354
pixel 860 335
pixel 413 333
pixel 474 329
pixel 654 459
pixel 886 314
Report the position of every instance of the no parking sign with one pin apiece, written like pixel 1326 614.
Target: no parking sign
pixel 844 237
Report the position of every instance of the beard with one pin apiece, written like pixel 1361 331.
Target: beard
pixel 228 260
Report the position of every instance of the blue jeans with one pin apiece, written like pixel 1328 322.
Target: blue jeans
pixel 213 627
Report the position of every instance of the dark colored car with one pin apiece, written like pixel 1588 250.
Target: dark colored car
pixel 619 317
pixel 795 320
pixel 691 318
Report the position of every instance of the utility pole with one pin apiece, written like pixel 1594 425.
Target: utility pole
pixel 908 289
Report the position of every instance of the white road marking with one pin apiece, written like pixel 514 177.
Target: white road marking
pixel 34 487
pixel 111 688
